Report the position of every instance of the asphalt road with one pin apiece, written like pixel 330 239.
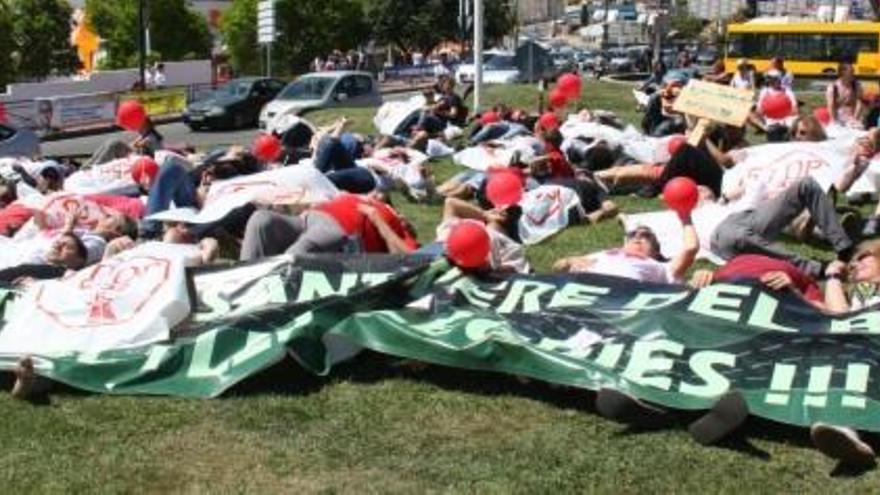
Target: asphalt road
pixel 174 134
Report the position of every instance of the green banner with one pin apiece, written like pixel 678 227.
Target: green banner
pixel 665 344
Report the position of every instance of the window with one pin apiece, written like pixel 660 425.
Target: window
pixel 846 47
pixel 363 85
pixel 346 85
pixel 274 85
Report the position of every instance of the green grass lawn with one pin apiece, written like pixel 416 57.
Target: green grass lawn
pixel 373 426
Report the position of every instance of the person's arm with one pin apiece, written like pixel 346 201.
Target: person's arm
pixel 395 243
pixel 830 101
pixel 720 157
pixel 683 261
pixel 573 264
pixel 860 106
pixel 456 208
pixel 835 296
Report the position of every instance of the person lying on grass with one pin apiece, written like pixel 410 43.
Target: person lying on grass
pixel 639 258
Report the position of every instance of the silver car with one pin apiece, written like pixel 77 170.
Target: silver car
pixel 18 142
pixel 319 90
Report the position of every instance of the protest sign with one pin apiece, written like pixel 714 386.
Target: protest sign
pixel 715 102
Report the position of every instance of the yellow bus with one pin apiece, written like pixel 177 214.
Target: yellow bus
pixel 809 48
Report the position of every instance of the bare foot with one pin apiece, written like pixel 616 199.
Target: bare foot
pixel 24 378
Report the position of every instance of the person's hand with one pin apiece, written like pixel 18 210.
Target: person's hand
pixel 701 278
pixel 836 268
pixel 72 218
pixel 117 246
pixel 209 249
pixel 777 280
pixel 574 264
pixel 368 211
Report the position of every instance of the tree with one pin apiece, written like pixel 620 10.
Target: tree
pixel 176 32
pixel 41 34
pixel 7 46
pixel 422 26
pixel 239 29
pixel 306 29
pixel 687 26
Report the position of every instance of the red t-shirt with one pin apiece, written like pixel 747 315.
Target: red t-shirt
pixel 753 266
pixel 13 217
pixel 559 166
pixel 344 209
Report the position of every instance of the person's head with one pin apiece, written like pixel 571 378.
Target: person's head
pixel 642 242
pixel 67 250
pixel 807 128
pixel 553 137
pixel 773 78
pixel 865 264
pixel 116 225
pixel 742 65
pixel 657 66
pixel 446 84
pixel 600 156
pixel 845 71
pixel 777 63
pixel 50 178
pixel 8 193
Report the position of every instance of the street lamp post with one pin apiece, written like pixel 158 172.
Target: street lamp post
pixel 478 53
pixel 142 46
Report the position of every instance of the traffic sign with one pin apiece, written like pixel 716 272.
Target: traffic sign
pixel 266 32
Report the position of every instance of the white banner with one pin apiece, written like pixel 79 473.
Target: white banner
pixel 130 300
pixel 545 211
pixel 298 184
pixel 83 110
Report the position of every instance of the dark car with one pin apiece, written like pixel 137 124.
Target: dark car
pixel 236 104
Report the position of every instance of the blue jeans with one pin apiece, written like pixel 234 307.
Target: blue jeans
pixel 172 184
pixel 357 180
pixel 331 155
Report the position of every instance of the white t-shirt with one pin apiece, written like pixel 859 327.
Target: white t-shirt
pixel 741 82
pixel 617 263
pixel 504 254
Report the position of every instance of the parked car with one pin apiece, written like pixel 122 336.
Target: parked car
pixel 236 104
pixel 319 90
pixel 707 57
pixel 619 61
pixel 18 142
pixel 498 68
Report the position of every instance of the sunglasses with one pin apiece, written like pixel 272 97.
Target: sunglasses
pixel 641 234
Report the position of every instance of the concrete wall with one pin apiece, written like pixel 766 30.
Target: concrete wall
pixel 177 74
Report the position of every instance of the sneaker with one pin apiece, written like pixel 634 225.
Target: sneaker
pixel 624 408
pixel 725 417
pixel 872 227
pixel 842 444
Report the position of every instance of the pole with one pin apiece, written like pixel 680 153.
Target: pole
pixel 269 60
pixel 478 53
pixel 142 46
pixel 605 27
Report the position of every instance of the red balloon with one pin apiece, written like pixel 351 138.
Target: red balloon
pixel 570 85
pixel 144 170
pixel 548 121
pixel 266 148
pixel 557 98
pixel 504 189
pixel 681 195
pixel 131 115
pixel 675 144
pixel 776 105
pixel 490 117
pixel 822 115
pixel 468 245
